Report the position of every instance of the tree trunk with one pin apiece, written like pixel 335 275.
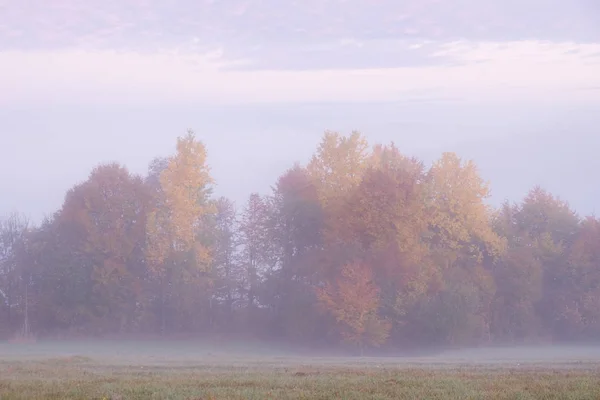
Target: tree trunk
pixel 163 324
pixel 26 322
pixel 9 306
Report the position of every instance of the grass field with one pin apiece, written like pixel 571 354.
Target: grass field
pixel 38 373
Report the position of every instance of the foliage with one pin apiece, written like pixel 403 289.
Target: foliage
pixel 363 244
pixel 353 300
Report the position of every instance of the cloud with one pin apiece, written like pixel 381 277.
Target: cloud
pixel 502 71
pixel 156 23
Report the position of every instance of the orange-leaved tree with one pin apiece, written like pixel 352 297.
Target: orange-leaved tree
pixel 108 214
pixel 353 300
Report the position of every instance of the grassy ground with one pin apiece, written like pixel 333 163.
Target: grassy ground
pixel 78 377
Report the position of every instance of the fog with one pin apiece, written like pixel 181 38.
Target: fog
pixel 405 183
pixel 248 355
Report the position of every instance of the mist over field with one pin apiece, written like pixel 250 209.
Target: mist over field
pixel 145 353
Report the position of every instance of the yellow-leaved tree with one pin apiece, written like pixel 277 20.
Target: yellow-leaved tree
pixel 458 214
pixel 463 245
pixel 335 171
pixel 338 165
pixel 177 248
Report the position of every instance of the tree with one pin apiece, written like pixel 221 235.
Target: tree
pixel 551 226
pixel 457 313
pixel 226 270
pixel 297 219
pixel 336 170
pixel 577 313
pixel 177 250
pixel 519 281
pixel 256 247
pixel 295 232
pixel 363 245
pixel 461 239
pixel 109 213
pixel 382 223
pixel 387 209
pixel 62 279
pixel 338 165
pixel 459 217
pixel 543 214
pixel 353 300
pixel 13 286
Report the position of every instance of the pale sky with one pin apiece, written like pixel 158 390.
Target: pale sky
pixel 514 85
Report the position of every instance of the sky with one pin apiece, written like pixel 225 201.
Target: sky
pixel 513 85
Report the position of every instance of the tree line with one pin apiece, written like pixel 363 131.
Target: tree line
pixel 363 246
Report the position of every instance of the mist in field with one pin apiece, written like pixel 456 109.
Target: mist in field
pixel 246 355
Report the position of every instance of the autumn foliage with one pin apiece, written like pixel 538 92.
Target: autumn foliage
pixel 353 299
pixel 363 246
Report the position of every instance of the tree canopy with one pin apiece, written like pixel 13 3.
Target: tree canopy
pixel 363 247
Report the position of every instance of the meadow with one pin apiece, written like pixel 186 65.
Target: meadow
pixel 120 371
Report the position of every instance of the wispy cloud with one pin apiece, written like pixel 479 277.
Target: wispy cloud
pixel 253 51
pixel 247 22
pixel 524 69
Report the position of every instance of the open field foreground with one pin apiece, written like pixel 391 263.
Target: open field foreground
pixel 46 371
